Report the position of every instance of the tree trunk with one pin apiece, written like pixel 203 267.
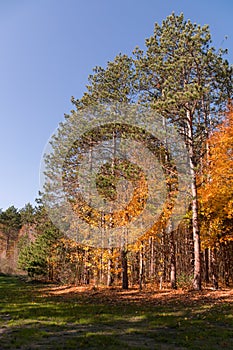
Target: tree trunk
pixel 214 268
pixel 195 223
pixel 226 258
pixel 173 259
pixel 206 257
pixel 170 231
pixel 110 277
pixel 152 259
pixel 196 236
pixel 124 262
pixel 141 266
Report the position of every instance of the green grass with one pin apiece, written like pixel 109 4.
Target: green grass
pixel 30 319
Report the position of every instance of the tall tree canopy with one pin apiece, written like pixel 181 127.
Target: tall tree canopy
pixel 189 83
pixel 181 76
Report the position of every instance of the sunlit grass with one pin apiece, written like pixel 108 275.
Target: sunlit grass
pixel 30 319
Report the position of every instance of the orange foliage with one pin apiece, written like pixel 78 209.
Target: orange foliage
pixel 216 190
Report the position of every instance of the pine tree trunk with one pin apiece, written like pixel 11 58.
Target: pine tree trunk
pixel 170 232
pixel 195 223
pixel 196 236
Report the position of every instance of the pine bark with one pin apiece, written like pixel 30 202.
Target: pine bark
pixel 195 223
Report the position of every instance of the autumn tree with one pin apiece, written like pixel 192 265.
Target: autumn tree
pixel 181 76
pixel 216 191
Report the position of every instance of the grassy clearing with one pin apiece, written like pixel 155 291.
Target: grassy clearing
pixel 35 316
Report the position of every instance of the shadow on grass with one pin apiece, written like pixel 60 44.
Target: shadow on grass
pixel 31 320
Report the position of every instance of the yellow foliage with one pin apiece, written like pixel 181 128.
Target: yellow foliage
pixel 216 188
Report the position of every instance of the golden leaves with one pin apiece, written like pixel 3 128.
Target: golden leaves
pixel 216 189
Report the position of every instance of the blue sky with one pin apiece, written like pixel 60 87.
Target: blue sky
pixel 48 49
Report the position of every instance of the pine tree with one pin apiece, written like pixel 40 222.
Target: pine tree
pixel 35 257
pixel 10 223
pixel 182 77
pixel 188 82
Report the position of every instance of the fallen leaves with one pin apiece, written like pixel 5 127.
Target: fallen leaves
pixel 115 296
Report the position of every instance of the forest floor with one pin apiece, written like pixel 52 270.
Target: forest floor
pixel 48 316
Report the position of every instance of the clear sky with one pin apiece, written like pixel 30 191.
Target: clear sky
pixel 48 49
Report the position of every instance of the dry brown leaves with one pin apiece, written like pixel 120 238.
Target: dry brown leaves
pixel 116 296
